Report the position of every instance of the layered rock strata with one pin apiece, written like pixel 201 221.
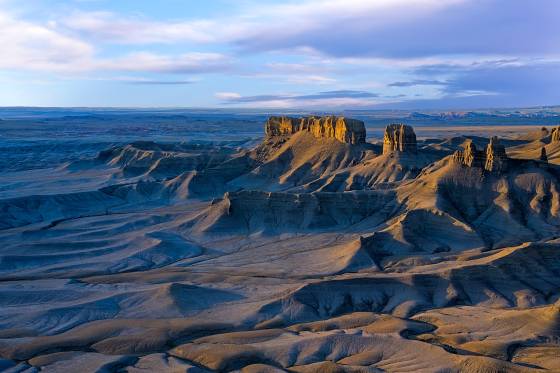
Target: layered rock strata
pixel 253 211
pixel 400 138
pixel 346 130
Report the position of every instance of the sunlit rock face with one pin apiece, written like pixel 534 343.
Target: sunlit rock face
pixel 470 157
pixel 555 134
pixel 494 159
pixel 400 138
pixel 346 130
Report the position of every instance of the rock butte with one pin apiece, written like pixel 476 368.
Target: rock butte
pixel 346 130
pixel 399 137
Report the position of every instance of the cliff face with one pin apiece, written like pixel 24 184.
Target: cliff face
pixel 400 138
pixel 252 211
pixel 346 130
pixel 555 134
pixel 470 157
pixel 494 159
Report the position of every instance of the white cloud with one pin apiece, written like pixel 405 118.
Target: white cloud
pixel 311 79
pixel 226 96
pixel 28 45
pixel 340 98
pixel 150 62
pixel 313 103
pixel 31 46
pixel 294 68
pixel 254 22
pixel 111 27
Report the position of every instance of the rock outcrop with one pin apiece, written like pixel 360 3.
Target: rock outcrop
pixel 470 157
pixel 399 137
pixel 346 130
pixel 494 159
pixel 258 211
pixel 555 134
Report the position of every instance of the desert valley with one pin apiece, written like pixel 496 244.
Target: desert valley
pixel 307 245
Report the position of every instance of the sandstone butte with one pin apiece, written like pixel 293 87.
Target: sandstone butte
pixel 346 130
pixel 399 138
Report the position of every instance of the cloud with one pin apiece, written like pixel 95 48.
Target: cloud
pixel 389 29
pixel 228 96
pixel 492 83
pixel 340 94
pixel 107 26
pixel 454 51
pixel 409 29
pixel 321 99
pixel 416 82
pixel 500 83
pixel 306 72
pixel 520 85
pixel 156 82
pixel 155 63
pixel 28 45
pixel 313 24
pixel 310 79
pixel 31 46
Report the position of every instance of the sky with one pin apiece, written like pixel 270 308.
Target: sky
pixel 316 54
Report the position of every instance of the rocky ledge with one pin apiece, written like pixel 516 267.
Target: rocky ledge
pixel 346 130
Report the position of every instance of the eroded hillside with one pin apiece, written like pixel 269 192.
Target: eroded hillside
pixel 313 251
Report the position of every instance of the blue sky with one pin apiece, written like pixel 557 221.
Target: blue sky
pixel 410 54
